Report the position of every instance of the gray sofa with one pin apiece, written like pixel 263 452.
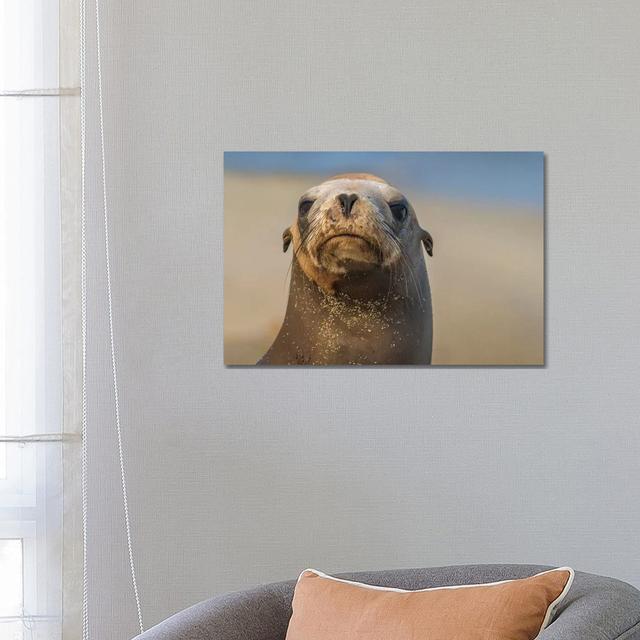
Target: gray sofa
pixel 596 608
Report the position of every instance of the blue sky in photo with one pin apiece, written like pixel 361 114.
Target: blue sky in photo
pixel 512 178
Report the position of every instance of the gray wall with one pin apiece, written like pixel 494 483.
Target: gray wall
pixel 243 476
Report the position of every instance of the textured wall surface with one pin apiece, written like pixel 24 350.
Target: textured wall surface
pixel 239 476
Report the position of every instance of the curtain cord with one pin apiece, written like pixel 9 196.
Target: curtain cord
pixel 85 585
pixel 83 305
pixel 114 369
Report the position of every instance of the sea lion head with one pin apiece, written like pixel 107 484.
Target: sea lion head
pixel 353 223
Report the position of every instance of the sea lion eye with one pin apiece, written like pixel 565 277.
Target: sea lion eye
pixel 398 210
pixel 304 206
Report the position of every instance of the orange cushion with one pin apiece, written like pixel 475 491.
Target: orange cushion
pixel 326 608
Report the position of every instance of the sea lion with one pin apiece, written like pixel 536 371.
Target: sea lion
pixel 359 291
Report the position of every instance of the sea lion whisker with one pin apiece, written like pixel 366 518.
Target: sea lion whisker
pixel 392 278
pixel 313 228
pixel 402 262
pixel 413 279
pixel 390 236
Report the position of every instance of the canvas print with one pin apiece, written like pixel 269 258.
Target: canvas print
pixel 384 259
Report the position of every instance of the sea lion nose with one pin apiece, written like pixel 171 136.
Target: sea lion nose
pixel 346 201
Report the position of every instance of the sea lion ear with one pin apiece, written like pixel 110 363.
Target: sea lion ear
pixel 427 241
pixel 286 239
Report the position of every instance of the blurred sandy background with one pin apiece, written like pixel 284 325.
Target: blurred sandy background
pixel 487 273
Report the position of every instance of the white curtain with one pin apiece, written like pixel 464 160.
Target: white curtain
pixel 39 378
